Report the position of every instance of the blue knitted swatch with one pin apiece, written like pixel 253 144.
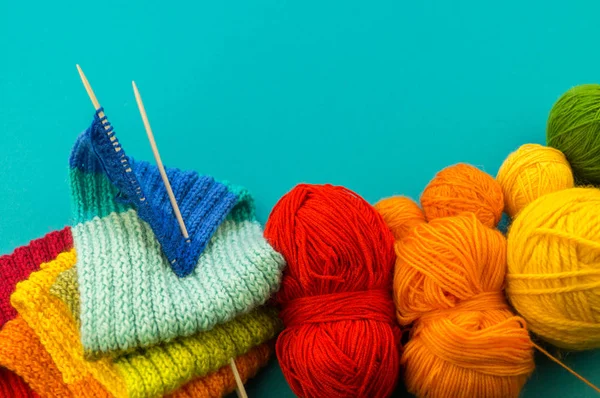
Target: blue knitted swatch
pixel 204 203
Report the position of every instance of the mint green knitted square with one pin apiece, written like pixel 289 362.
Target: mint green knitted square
pixel 130 297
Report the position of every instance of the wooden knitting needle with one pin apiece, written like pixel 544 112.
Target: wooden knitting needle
pixel 90 92
pixel 161 168
pixel 159 163
pixel 241 391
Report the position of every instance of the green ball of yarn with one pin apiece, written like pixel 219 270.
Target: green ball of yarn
pixel 574 129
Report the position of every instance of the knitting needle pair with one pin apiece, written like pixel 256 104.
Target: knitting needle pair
pixel 241 391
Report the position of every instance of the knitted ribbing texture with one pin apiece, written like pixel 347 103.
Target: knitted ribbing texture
pixel 204 203
pixel 143 373
pixel 130 297
pixel 23 261
pixel 22 353
pixel 14 268
pixel 222 382
pixel 12 385
pixel 65 287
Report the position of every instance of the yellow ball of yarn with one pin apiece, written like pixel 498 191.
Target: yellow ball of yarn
pixel 530 172
pixel 553 277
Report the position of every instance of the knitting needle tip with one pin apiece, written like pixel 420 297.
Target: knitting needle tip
pixel 88 89
pixel 90 92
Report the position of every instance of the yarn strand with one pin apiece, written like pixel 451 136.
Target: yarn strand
pixel 568 369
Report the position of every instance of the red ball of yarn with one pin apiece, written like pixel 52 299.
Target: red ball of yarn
pixel 340 338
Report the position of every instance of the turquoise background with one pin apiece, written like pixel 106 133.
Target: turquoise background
pixel 377 96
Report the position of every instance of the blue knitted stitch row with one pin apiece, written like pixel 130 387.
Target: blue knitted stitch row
pixel 204 203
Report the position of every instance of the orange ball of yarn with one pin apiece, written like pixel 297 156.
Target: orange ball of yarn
pixel 465 341
pixel 341 338
pixel 400 214
pixel 463 188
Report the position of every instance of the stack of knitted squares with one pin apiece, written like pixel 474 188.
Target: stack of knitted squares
pixel 122 304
